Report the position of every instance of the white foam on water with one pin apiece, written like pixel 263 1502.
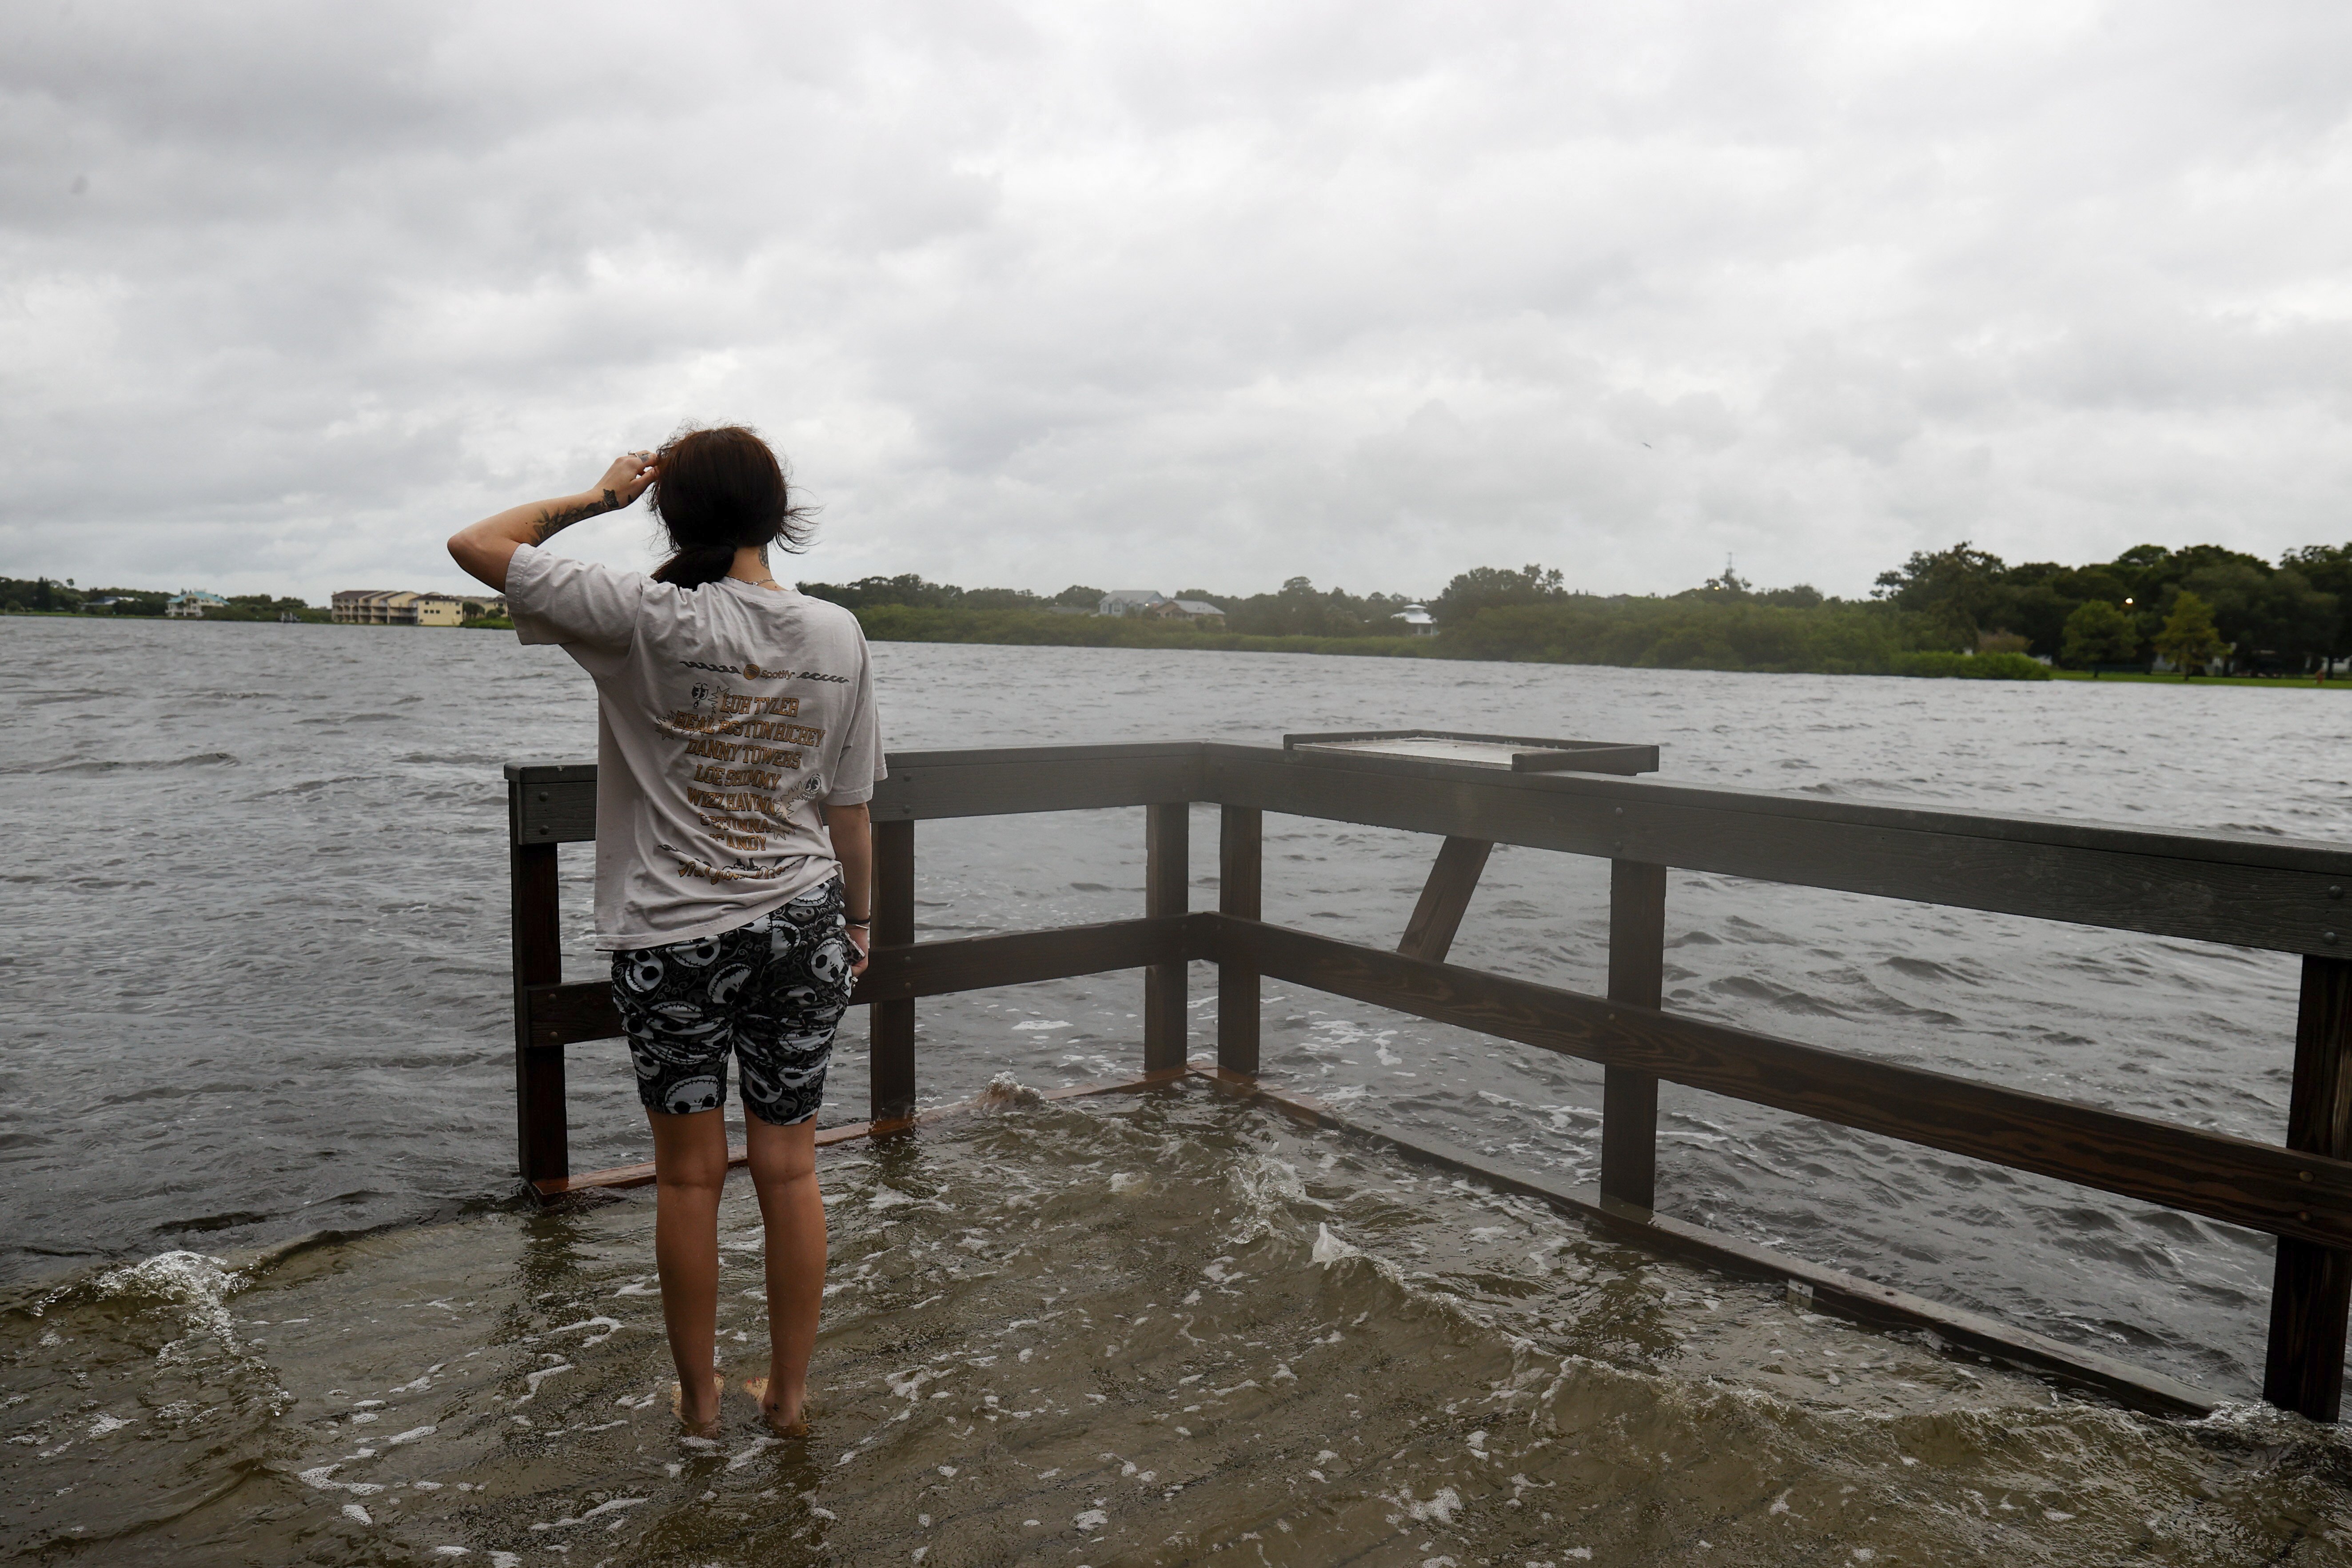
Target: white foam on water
pixel 1039 1025
pixel 199 1285
pixel 1329 1249
pixel 610 1325
pixel 320 1478
pixel 602 1507
pixel 535 1378
pixel 1128 1182
pixel 1267 1189
pixel 1443 1507
pixel 758 1446
pixel 1005 1089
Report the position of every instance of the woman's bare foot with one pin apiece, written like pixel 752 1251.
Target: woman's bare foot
pixel 786 1421
pixel 699 1414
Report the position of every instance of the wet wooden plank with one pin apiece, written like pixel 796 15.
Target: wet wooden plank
pixel 1220 759
pixel 1444 898
pixel 890 1025
pixel 1026 756
pixel 1027 957
pixel 552 802
pixel 982 782
pixel 2253 893
pixel 1517 753
pixel 1828 1291
pixel 2311 1287
pixel 567 1014
pixel 2284 894
pixel 1167 894
pixel 2235 1180
pixel 1241 881
pixel 1004 783
pixel 1628 1097
pixel 542 1128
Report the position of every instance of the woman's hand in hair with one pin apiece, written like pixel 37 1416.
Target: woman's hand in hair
pixel 626 479
pixel 486 549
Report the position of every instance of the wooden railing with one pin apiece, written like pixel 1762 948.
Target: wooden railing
pixel 2274 894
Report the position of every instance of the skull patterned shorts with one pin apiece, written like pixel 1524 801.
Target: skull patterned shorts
pixel 772 991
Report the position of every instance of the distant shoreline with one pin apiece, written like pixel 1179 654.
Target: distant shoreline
pixel 894 623
pixel 312 618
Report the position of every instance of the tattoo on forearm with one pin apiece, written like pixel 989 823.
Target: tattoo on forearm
pixel 555 520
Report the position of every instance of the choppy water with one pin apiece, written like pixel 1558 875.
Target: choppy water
pixel 254 991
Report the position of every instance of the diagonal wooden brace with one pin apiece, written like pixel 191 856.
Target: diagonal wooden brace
pixel 1445 898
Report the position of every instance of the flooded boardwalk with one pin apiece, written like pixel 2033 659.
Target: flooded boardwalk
pixel 305 1070
pixel 1135 1329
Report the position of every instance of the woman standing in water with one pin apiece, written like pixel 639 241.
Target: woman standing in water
pixel 736 748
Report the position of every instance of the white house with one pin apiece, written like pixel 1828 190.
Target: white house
pixel 191 605
pixel 1418 621
pixel 1129 601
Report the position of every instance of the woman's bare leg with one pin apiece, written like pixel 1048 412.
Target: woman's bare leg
pixel 783 1172
pixel 690 1169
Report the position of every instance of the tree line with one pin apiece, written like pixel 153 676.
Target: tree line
pixel 22 594
pixel 2200 603
pixel 2191 605
pixel 1296 609
pixel 2204 601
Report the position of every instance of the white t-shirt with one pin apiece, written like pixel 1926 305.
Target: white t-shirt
pixel 725 715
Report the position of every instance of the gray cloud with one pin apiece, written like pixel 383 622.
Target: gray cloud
pixel 1199 295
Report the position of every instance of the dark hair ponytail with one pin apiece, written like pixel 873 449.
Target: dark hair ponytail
pixel 717 491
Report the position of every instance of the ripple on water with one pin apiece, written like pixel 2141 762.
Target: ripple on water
pixel 1137 1329
pixel 333 928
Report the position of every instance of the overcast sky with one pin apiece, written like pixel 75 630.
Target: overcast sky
pixel 1197 295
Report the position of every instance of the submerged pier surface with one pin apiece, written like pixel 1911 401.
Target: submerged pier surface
pixel 1147 1328
pixel 330 1056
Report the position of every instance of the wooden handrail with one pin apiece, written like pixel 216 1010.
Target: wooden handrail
pixel 2262 1187
pixel 566 1014
pixel 2283 895
pixel 2287 895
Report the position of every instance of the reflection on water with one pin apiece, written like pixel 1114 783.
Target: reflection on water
pixel 1140 1328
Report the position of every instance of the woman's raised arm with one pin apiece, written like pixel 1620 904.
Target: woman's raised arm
pixel 486 548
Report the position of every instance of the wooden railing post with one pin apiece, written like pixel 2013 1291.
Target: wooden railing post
pixel 1167 875
pixel 890 1026
pixel 543 1134
pixel 1629 1099
pixel 1240 880
pixel 2311 1287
